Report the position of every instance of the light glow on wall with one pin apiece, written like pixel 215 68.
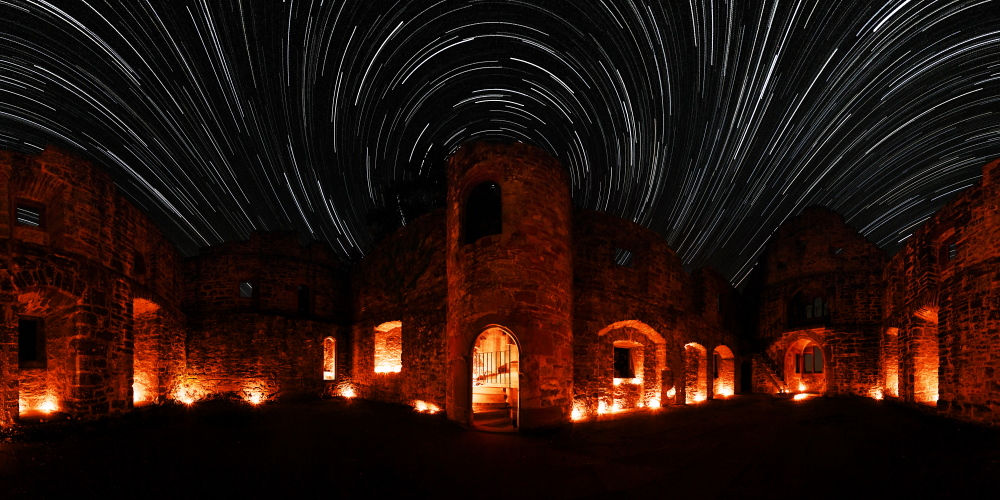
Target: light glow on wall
pixel 389 347
pixel 255 392
pixel 347 392
pixel 189 392
pixel 139 393
pixel 425 407
pixel 49 405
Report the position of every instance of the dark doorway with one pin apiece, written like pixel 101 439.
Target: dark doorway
pixel 746 377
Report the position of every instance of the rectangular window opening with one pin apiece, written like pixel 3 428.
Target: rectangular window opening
pixel 29 215
pixel 623 363
pixel 246 289
pixel 30 343
pixel 624 258
pixel 952 252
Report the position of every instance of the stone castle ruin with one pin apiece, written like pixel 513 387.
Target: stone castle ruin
pixel 506 309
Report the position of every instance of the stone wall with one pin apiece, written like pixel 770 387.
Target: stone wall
pixel 651 302
pixel 265 340
pixel 403 280
pixel 816 256
pixel 520 278
pixel 75 271
pixel 944 305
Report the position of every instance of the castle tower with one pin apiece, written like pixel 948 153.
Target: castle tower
pixel 509 272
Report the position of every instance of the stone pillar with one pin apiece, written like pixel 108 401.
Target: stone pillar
pixel 520 279
pixel 8 359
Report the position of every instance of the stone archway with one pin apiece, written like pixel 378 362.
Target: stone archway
pixel 723 372
pixel 695 373
pixel 633 361
pixel 495 384
pixel 806 367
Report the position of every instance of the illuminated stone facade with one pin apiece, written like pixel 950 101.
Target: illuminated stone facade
pixel 508 308
pixel 922 326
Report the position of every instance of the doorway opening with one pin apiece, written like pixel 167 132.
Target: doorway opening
pixel 495 363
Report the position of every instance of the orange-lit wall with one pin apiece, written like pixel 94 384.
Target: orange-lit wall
pixel 263 343
pixel 803 255
pixel 77 273
pixel 949 309
pixel 521 279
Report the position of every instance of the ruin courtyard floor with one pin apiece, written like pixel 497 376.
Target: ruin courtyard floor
pixel 746 447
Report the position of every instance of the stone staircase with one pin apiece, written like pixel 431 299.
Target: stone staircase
pixel 491 406
pixel 772 371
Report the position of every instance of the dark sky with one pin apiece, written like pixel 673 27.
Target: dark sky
pixel 709 122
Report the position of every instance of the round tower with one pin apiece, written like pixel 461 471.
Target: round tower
pixel 510 283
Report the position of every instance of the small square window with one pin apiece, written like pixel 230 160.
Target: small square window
pixel 624 258
pixel 623 363
pixel 29 216
pixel 952 252
pixel 246 289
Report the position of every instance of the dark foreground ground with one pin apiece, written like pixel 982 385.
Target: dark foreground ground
pixel 747 447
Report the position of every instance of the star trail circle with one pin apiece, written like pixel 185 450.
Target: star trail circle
pixel 709 122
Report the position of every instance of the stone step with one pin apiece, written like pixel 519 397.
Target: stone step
pixel 485 389
pixel 489 398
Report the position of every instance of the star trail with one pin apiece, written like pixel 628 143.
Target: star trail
pixel 709 122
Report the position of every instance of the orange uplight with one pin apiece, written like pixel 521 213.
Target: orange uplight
pixel 425 407
pixel 802 387
pixel 654 403
pixel 617 381
pixel 49 405
pixel 189 392
pixel 602 408
pixel 577 413
pixel 347 392
pixel 139 393
pixel 699 398
pixel 616 407
pixel 801 396
pixel 876 393
pixel 672 392
pixel 388 369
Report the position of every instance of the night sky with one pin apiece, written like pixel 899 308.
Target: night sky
pixel 709 122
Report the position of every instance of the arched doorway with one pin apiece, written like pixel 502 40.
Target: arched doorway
pixel 495 363
pixel 723 372
pixel 695 373
pixel 805 367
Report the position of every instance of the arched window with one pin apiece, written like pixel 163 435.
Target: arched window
pixel 483 212
pixel 807 309
pixel 329 358
pixel 810 361
pixel 303 300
